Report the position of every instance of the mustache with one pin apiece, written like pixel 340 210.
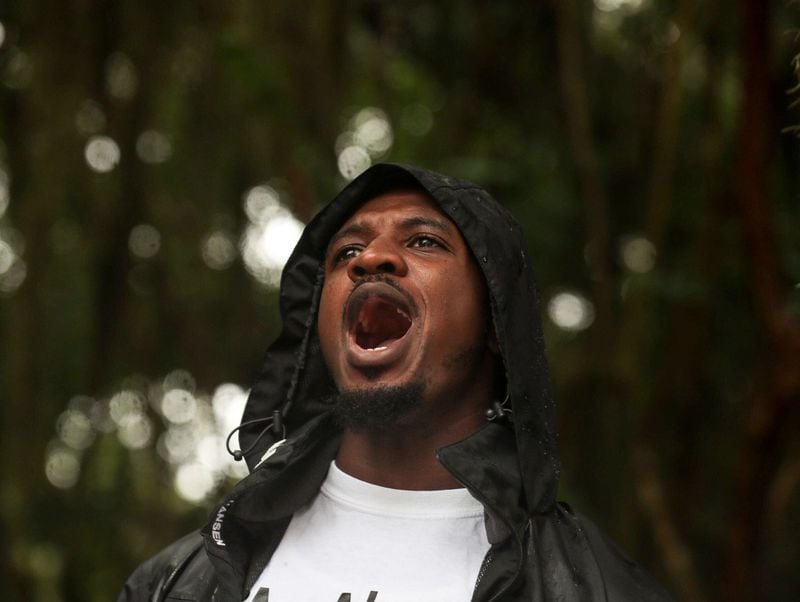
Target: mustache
pixel 385 279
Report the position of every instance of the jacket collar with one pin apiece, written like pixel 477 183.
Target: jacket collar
pixel 247 525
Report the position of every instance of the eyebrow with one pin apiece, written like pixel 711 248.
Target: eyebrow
pixel 405 224
pixel 352 229
pixel 436 224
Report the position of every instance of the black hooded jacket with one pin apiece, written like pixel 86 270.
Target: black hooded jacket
pixel 540 549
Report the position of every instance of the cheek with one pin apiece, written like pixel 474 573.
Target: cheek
pixel 327 320
pixel 475 310
pixel 463 303
pixel 468 321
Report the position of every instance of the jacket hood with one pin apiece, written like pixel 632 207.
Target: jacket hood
pixel 295 382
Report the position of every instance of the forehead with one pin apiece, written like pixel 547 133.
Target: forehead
pixel 398 205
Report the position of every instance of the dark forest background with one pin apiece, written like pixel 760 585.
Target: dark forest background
pixel 157 157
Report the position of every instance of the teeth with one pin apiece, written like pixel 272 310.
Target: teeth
pixel 381 348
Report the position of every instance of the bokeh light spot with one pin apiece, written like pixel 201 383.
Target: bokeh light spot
pixel 90 118
pixel 192 444
pixel 262 203
pixel 135 431
pixel 210 450
pixel 62 467
pixel 18 70
pixel 370 135
pixel 100 415
pixel 372 131
pixel 82 403
pixel 178 406
pixel 352 161
pixel 218 250
pixel 153 147
pixel 121 77
pixel 15 238
pixel 7 257
pixel 177 444
pixel 612 5
pixel 179 379
pixel 638 254
pixel 343 140
pixel 75 429
pixel 273 243
pixel 13 278
pixel 101 153
pixel 271 236
pixel 570 311
pixel 144 241
pixel 123 404
pixel 228 403
pixel 193 482
pixel 673 33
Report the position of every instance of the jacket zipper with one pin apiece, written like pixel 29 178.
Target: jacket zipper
pixel 489 556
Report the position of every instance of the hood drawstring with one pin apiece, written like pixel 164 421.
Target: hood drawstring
pixel 275 424
pixel 500 410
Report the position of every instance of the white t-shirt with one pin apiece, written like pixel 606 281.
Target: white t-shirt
pixel 360 542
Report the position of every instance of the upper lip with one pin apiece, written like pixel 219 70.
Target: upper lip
pixel 387 290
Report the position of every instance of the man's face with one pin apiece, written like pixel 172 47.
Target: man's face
pixel 404 304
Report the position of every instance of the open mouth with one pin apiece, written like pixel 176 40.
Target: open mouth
pixel 377 316
pixel 379 323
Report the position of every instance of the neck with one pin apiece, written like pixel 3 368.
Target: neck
pixel 405 458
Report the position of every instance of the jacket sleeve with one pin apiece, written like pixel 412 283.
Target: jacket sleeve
pixel 154 578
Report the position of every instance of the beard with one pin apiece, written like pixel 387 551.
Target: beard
pixel 380 409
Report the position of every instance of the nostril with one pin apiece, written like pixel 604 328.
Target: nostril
pixel 387 267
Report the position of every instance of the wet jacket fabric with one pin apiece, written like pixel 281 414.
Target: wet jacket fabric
pixel 540 549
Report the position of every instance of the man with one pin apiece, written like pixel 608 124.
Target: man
pixel 401 434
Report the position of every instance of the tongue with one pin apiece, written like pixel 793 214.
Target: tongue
pixel 379 323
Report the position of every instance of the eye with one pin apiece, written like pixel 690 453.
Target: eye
pixel 425 241
pixel 346 253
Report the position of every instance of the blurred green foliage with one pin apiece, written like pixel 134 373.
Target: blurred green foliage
pixel 616 131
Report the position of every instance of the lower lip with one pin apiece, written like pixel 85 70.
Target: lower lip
pixel 383 355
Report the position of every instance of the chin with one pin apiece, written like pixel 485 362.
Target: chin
pixel 380 408
pixel 371 377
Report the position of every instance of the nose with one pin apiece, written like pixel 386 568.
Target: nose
pixel 379 257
